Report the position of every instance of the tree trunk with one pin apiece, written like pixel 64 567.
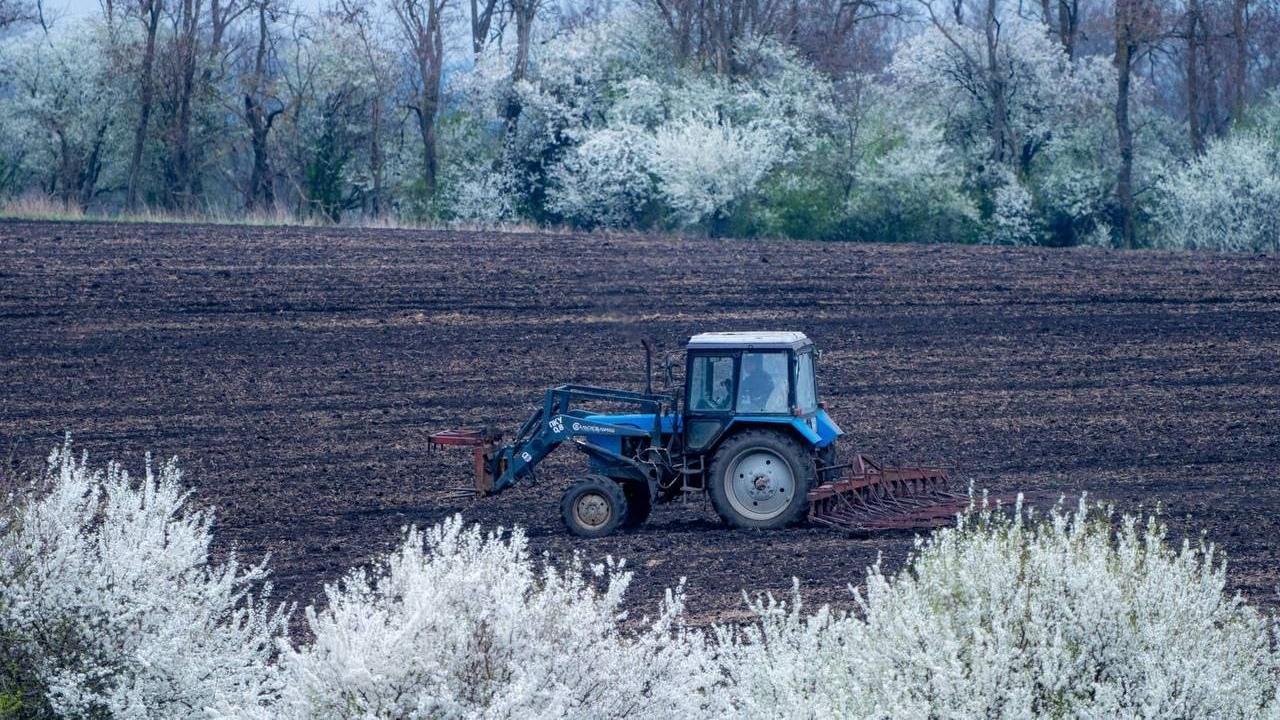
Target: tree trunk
pixel 1069 25
pixel 428 107
pixel 481 20
pixel 65 180
pixel 261 190
pixel 76 178
pixel 426 113
pixel 375 156
pixel 92 167
pixel 1193 77
pixel 422 23
pixel 999 120
pixel 524 12
pixel 181 170
pixel 151 16
pixel 1239 65
pixel 1124 133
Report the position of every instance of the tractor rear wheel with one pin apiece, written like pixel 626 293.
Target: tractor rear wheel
pixel 593 507
pixel 761 479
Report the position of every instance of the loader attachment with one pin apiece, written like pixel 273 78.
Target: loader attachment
pixel 482 442
pixel 868 496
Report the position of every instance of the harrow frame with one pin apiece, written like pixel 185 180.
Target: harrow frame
pixel 870 496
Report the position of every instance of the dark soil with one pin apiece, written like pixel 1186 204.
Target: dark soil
pixel 297 372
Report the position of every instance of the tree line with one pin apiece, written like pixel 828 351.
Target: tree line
pixel 1058 122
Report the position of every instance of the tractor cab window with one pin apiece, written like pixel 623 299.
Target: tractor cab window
pixel 806 394
pixel 711 383
pixel 764 383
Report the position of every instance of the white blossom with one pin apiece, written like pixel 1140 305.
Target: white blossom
pixel 110 596
pixel 1013 222
pixel 605 179
pixel 62 112
pixel 107 583
pixel 1227 199
pixel 1017 619
pixel 704 165
pixel 458 623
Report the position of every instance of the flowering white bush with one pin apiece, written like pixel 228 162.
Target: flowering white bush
pixel 1006 618
pixel 61 112
pixel 484 196
pixel 467 627
pixel 1013 222
pixel 705 165
pixel 1063 157
pixel 612 133
pixel 950 83
pixel 109 601
pixel 605 180
pixel 911 188
pixel 106 587
pixel 1227 199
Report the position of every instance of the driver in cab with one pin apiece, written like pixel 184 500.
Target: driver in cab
pixel 757 384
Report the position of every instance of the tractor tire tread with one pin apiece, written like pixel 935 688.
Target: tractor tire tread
pixel 639 504
pixel 607 487
pixel 804 472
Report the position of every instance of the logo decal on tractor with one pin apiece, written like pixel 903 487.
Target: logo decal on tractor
pixel 557 425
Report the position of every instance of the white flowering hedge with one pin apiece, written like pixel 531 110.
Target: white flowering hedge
pixel 110 607
pixel 1003 617
pixel 1226 199
pixel 465 625
pixel 108 593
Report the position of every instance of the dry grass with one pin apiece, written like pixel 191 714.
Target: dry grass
pixel 42 207
pixel 36 206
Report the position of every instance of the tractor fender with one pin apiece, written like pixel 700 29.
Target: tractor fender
pixel 824 432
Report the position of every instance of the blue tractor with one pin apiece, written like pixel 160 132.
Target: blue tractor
pixel 747 429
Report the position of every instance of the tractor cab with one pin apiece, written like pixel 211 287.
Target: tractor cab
pixel 742 378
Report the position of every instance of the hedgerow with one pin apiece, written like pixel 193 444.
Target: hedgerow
pixel 1078 614
pixel 110 599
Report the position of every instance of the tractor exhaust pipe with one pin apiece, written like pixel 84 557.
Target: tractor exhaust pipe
pixel 648 366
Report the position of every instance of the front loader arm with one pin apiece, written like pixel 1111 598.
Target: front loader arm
pixel 499 466
pixel 518 459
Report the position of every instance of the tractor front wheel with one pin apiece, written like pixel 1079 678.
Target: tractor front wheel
pixel 593 507
pixel 761 479
pixel 639 505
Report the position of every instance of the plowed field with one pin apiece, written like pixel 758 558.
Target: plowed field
pixel 297 372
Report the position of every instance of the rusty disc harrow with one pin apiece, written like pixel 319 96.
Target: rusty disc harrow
pixel 871 497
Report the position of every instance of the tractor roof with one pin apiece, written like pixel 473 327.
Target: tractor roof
pixel 785 340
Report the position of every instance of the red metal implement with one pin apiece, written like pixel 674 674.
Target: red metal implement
pixel 870 496
pixel 468 438
pixel 482 441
